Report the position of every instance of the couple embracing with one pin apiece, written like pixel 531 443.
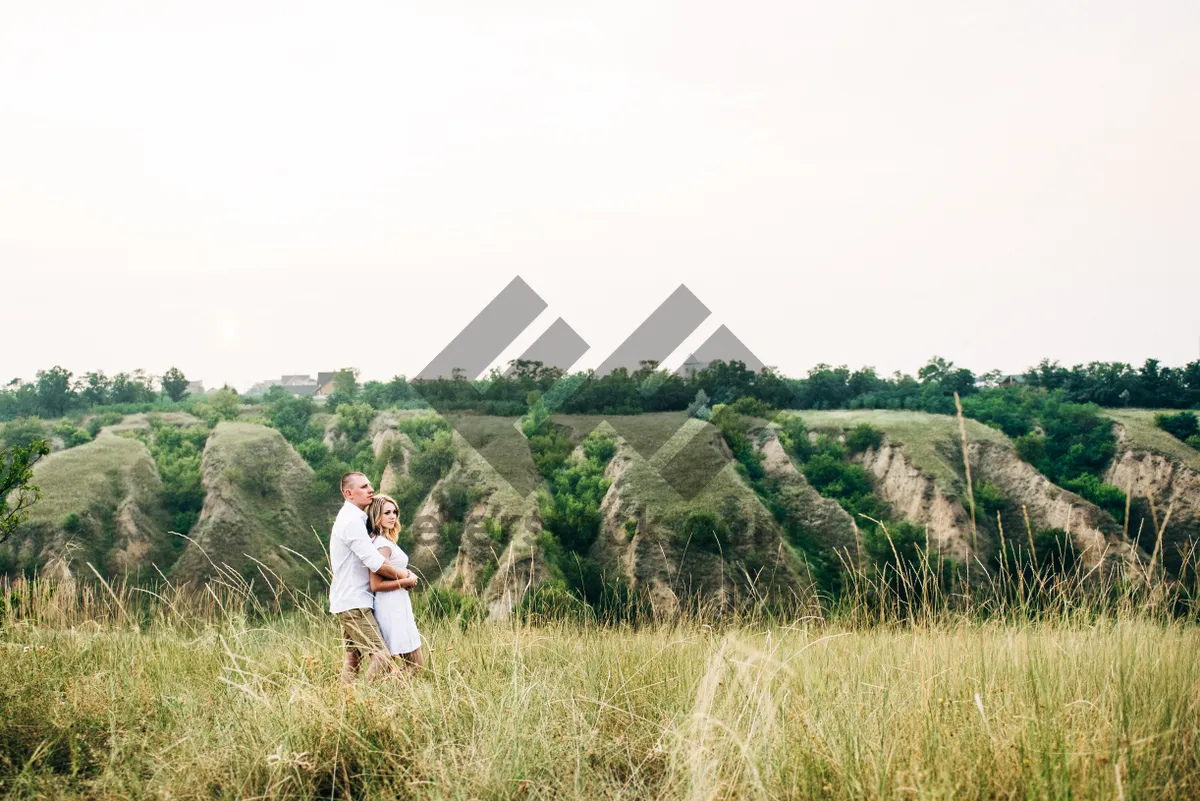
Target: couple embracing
pixel 371 580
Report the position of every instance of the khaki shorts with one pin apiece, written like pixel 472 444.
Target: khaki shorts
pixel 360 632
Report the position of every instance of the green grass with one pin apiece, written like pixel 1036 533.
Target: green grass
pixel 930 441
pixel 1139 426
pixel 203 701
pixel 75 480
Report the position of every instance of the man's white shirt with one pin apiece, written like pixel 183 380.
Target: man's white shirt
pixel 353 559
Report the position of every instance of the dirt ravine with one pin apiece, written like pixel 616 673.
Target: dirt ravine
pixel 916 496
pixel 824 518
pixel 1170 485
pixel 1096 535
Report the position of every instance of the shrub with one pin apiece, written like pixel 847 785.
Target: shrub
pixel 989 499
pixel 699 405
pixel 550 448
pixel 1194 442
pixel 99 421
pixel 1031 448
pixel 291 416
pixel 452 501
pixel 435 459
pixel 751 407
pixel 630 529
pixel 733 428
pixel 1109 498
pixel 703 529
pixel 24 430
pixel 422 428
pixel 862 437
pixel 599 448
pixel 793 435
pixel 71 435
pixel 1182 426
pixel 494 530
pixel 906 537
pixel 354 419
pixel 1055 550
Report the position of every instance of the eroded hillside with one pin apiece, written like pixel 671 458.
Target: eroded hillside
pixel 680 517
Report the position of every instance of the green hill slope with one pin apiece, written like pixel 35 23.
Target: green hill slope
pixel 259 502
pixel 99 505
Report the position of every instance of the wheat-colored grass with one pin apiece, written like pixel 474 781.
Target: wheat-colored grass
pixel 118 694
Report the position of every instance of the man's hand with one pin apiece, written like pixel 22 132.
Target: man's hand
pixel 408 582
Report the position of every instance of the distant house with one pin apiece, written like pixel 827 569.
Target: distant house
pixel 691 366
pixel 1011 380
pixel 324 384
pixel 262 387
pixel 299 385
pixel 195 388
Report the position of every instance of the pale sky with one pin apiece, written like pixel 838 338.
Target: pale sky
pixel 249 189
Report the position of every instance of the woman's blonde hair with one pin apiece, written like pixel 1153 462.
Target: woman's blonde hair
pixel 375 517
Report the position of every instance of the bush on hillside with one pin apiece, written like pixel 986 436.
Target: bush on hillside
pixel 98 421
pixel 71 434
pixel 862 437
pixel 1031 448
pixel 354 419
pixel 793 435
pixel 701 528
pixel 989 499
pixel 20 432
pixel 1109 498
pixel 733 427
pixel 223 404
pixel 434 460
pixel 751 407
pixel 1182 426
pixel 291 416
pixel 903 539
pixel 698 408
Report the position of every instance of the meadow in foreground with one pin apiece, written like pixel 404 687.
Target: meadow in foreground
pixel 178 700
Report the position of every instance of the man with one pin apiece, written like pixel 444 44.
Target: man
pixel 354 559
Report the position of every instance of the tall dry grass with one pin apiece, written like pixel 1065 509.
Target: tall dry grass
pixel 115 692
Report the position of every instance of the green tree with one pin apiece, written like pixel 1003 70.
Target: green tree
pixel 354 419
pixel 224 404
pixel 862 437
pixel 24 430
pixel 54 391
pixel 175 384
pixel 17 494
pixel 345 388
pixel 1181 426
pixel 131 388
pixel 95 388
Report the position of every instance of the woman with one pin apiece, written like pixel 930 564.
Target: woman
pixel 393 606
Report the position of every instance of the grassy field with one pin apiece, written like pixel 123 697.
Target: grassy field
pixel 198 699
pixel 931 441
pixel 1139 425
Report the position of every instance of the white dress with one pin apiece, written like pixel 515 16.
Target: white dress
pixel 393 608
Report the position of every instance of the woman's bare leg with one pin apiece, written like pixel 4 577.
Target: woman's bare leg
pixel 414 659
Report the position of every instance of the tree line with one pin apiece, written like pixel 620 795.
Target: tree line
pixel 57 392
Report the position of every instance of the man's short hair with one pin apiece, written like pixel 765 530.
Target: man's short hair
pixel 348 478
